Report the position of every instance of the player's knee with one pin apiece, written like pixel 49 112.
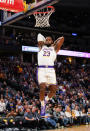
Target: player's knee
pixel 53 88
pixel 42 87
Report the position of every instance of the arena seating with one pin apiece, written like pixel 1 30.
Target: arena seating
pixel 19 97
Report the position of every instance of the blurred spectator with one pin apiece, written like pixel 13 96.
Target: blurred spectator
pixel 68 115
pixel 2 106
pixel 19 95
pixel 30 119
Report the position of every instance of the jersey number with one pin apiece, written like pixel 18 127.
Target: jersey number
pixel 46 53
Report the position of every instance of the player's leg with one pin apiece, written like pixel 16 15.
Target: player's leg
pixel 42 85
pixel 52 92
pixel 52 84
pixel 42 92
pixel 42 97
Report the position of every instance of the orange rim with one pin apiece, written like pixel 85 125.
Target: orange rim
pixel 46 12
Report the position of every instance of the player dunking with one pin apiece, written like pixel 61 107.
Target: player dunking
pixel 48 50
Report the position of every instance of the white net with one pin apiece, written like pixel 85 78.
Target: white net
pixel 42 18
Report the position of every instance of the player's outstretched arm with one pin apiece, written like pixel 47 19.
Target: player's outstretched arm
pixel 58 43
pixel 41 40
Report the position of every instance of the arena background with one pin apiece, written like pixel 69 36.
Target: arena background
pixel 71 19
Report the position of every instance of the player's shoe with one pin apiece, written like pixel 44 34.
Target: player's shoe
pixel 43 109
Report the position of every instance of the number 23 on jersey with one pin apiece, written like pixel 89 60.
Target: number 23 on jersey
pixel 46 53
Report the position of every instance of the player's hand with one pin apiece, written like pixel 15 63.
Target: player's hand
pixel 41 38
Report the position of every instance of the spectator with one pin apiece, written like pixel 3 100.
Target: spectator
pixel 76 115
pixel 10 105
pixel 48 118
pixel 29 119
pixel 19 108
pixel 84 117
pixel 2 106
pixel 68 115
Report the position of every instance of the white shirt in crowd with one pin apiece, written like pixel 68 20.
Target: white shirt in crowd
pixel 77 113
pixel 2 106
pixel 68 114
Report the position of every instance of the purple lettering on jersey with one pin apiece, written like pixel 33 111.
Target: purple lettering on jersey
pixel 48 49
pixel 46 53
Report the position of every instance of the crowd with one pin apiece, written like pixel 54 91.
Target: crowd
pixel 19 96
pixel 18 39
pixel 30 39
pixel 8 41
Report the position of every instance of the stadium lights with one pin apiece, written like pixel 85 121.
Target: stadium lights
pixel 74 34
pixel 61 52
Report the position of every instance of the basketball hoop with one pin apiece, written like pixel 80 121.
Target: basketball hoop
pixel 42 16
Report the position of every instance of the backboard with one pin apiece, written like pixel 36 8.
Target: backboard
pixel 34 5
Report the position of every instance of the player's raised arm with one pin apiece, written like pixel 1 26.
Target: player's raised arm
pixel 58 43
pixel 41 40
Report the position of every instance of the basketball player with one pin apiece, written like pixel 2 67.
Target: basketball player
pixel 48 50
